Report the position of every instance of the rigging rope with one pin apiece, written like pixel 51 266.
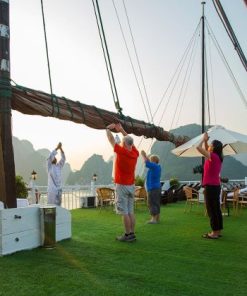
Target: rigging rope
pixel 183 83
pixel 131 62
pixel 211 75
pixel 193 56
pixel 106 55
pixel 207 88
pixel 177 69
pixel 242 96
pixel 190 48
pixel 230 32
pixel 181 65
pixel 133 69
pixel 47 57
pixel 138 60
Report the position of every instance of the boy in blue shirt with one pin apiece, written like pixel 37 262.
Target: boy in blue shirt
pixel 153 186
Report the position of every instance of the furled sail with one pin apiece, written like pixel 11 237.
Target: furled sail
pixel 33 102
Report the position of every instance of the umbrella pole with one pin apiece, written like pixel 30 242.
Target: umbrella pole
pixel 203 77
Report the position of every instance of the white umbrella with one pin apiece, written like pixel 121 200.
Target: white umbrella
pixel 233 143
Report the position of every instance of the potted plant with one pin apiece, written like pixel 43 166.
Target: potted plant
pixel 174 183
pixel 21 190
pixel 139 181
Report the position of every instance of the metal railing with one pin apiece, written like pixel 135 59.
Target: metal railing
pixel 71 195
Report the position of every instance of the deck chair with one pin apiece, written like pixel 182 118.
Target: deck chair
pixel 242 199
pixel 223 203
pixel 192 197
pixel 140 195
pixel 234 199
pixel 201 199
pixel 106 196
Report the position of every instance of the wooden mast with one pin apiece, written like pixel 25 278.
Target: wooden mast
pixel 7 164
pixel 203 74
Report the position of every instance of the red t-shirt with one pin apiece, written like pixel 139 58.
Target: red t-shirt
pixel 212 168
pixel 125 165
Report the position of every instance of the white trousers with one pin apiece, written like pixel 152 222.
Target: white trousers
pixel 55 197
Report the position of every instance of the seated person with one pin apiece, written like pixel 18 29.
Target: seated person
pixel 243 190
pixel 166 186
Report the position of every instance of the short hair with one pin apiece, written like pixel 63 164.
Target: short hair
pixel 155 158
pixel 128 140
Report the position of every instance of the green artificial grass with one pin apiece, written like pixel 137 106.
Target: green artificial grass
pixel 170 258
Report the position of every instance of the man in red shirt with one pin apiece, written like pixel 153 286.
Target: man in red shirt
pixel 124 178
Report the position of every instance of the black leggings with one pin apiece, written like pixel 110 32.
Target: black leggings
pixel 212 198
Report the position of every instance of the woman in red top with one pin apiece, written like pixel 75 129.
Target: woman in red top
pixel 211 183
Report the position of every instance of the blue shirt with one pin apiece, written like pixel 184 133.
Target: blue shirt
pixel 153 175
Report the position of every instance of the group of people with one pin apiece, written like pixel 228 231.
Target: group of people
pixel 126 160
pixel 124 179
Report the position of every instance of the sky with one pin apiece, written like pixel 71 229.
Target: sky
pixel 161 30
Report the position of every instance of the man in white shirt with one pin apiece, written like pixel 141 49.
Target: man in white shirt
pixel 55 176
pixel 243 190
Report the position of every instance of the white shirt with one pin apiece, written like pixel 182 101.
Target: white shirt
pixel 166 185
pixel 55 171
pixel 240 191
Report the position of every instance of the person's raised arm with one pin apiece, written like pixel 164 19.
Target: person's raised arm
pixel 109 134
pixel 203 151
pixel 63 159
pixel 51 157
pixel 120 129
pixel 144 155
pixel 206 144
pixel 59 146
